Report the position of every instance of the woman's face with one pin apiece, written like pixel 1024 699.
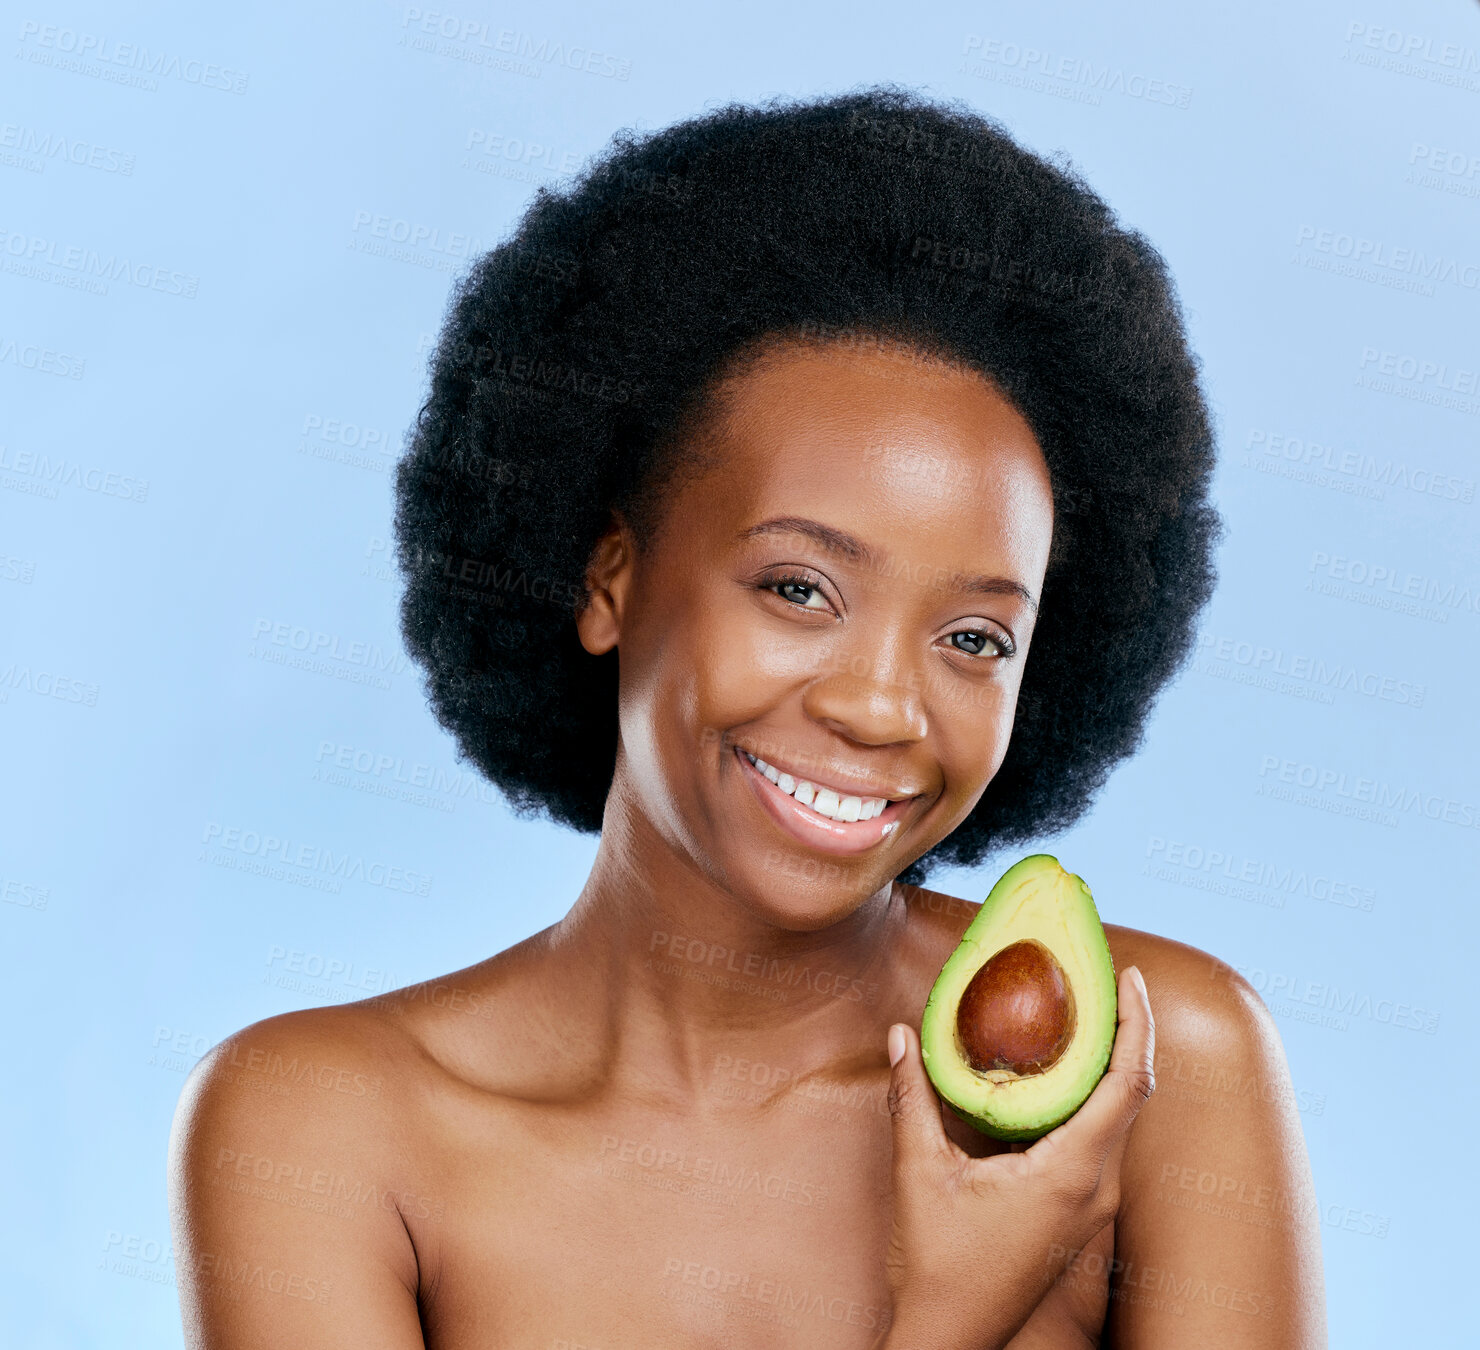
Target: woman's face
pixel 848 596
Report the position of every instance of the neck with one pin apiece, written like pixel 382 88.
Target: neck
pixel 675 972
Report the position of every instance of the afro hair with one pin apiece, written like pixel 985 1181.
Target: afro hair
pixel 576 357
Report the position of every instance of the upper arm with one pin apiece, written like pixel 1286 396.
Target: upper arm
pixel 286 1227
pixel 1218 1236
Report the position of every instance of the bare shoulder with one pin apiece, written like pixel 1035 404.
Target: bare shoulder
pixel 1220 1065
pixel 352 1070
pixel 288 1193
pixel 311 1064
pixel 1197 999
pixel 307 1198
pixel 350 1076
pixel 293 1103
pixel 1218 1232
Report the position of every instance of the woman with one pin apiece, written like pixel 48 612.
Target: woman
pixel 753 467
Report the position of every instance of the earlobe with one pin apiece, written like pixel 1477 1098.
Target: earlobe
pixel 608 572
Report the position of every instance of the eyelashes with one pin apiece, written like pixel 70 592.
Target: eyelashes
pixel 794 579
pixel 1003 645
pixel 1004 648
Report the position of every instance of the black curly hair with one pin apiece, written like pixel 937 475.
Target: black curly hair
pixel 571 379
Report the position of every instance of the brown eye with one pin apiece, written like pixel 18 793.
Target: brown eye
pixel 788 587
pixel 788 591
pixel 978 641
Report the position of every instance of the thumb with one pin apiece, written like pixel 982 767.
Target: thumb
pixel 914 1107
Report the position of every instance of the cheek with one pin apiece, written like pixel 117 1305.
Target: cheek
pixel 744 661
pixel 973 725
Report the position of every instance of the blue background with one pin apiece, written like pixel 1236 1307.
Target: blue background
pixel 197 468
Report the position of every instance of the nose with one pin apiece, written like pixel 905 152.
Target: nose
pixel 868 698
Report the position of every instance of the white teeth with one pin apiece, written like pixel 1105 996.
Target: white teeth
pixel 822 800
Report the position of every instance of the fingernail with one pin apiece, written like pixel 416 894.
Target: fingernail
pixel 896 1044
pixel 1140 979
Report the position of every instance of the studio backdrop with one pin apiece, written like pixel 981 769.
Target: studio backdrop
pixel 227 241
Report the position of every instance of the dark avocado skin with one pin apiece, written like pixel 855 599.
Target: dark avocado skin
pixel 1036 898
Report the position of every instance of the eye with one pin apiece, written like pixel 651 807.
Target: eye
pixel 978 640
pixel 798 590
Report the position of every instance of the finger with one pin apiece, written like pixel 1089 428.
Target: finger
pixel 1098 1126
pixel 914 1108
pixel 1117 1149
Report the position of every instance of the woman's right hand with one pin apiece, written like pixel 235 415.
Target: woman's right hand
pixel 978 1242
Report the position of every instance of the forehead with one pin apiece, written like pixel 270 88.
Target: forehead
pixel 903 449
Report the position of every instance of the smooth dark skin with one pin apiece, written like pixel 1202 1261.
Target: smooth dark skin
pixel 492 1142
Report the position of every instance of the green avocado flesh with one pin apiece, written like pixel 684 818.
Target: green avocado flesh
pixel 1054 975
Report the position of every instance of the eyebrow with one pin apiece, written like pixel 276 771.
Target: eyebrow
pixel 844 545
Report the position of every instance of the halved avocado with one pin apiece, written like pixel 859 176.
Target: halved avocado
pixel 1019 1025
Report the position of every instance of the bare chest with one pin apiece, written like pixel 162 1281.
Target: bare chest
pixel 617 1232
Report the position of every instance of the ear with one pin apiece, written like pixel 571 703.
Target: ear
pixel 608 583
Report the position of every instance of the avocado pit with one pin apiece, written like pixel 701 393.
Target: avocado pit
pixel 1016 1017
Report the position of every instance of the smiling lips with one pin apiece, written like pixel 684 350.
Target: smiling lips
pixel 821 817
